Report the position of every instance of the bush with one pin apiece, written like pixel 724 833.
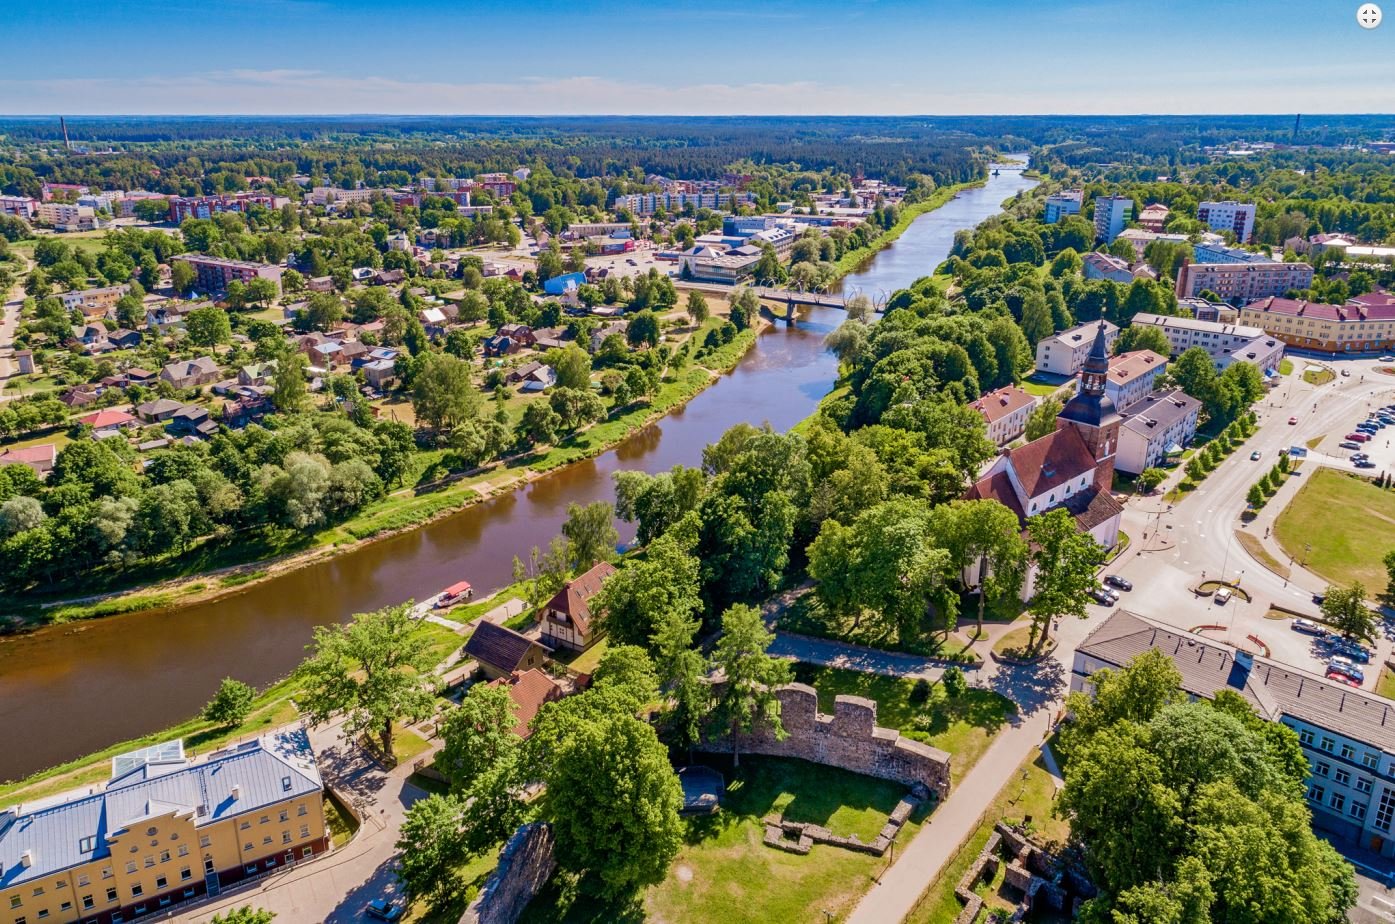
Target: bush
pixel 954 682
pixel 1150 478
pixel 920 692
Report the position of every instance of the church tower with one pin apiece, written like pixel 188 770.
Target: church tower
pixel 1091 412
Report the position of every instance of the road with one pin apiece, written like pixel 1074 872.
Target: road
pixel 14 299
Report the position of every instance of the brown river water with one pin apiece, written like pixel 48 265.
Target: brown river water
pixel 72 689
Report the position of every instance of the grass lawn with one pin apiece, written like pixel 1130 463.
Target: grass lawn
pixel 1347 521
pixel 471 875
pixel 1319 376
pixel 1014 642
pixel 586 661
pixel 341 824
pixel 963 727
pixel 1285 367
pixel 724 873
pixel 1385 686
pixel 1259 553
pixel 1030 793
pixel 1035 385
pixel 1313 443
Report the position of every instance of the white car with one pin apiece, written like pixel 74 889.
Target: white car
pixel 1223 596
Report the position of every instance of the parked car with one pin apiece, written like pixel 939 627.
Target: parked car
pixel 1292 421
pixel 1102 597
pixel 1364 463
pixel 1308 627
pixel 1359 437
pixel 1223 595
pixel 1340 665
pixel 1254 456
pixel 1335 677
pixel 1349 444
pixel 1318 598
pixel 1346 373
pixel 1114 580
pixel 1387 359
pixel 384 909
pixel 1356 651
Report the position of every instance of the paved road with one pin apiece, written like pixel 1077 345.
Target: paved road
pixel 13 301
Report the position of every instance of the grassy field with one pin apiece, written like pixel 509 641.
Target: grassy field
pixel 1030 793
pixel 1319 376
pixel 964 727
pixel 1385 686
pixel 724 873
pixel 1033 385
pixel 1348 522
pixel 1285 367
pixel 1259 553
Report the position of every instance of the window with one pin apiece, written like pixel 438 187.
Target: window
pixel 1363 784
pixel 285 837
pixel 137 890
pixel 66 906
pixel 1338 802
pixel 307 851
pixel 183 850
pixel 1357 810
pixel 1342 777
pixel 204 841
pixel 149 861
pixel 88 901
pixel 247 846
pixel 250 868
pixel 1348 752
pixel 285 815
pixel 264 819
pixel 1327 744
pixel 111 895
pixel 302 809
pixel 1385 810
pixel 43 913
pixel 266 841
pixel 38 890
pixel 186 874
pixel 1370 760
pixel 16 901
pixel 83 879
pixel 161 882
pixel 106 872
pixel 246 825
pixel 1323 768
pixel 1306 736
pixel 208 864
pixel 87 843
pixel 20 920
pixel 164 856
pixel 304 830
pixel 1316 793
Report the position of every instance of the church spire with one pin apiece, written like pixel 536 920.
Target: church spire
pixel 1095 373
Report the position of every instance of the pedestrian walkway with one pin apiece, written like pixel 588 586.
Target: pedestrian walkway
pixel 826 653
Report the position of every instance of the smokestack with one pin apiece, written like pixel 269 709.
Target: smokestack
pixel 62 123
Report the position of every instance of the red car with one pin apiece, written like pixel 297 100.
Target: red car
pixel 1359 437
pixel 1342 678
pixel 1292 421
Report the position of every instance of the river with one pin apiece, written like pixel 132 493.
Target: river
pixel 72 689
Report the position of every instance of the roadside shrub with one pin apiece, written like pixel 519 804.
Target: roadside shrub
pixel 954 682
pixel 920 692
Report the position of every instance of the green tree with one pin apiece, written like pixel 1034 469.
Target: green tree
pixel 1389 562
pixel 1043 418
pixel 231 705
pixel 591 534
pixel 1344 608
pixel 1143 337
pixel 208 326
pixel 636 601
pixel 1065 560
pixel 682 673
pixel 696 308
pixel 443 393
pixel 289 390
pixel 572 365
pixel 1037 323
pixel 244 915
pixel 539 423
pixel 1255 496
pixel 181 277
pixel 985 535
pixel 613 801
pixel 643 330
pixel 375 670
pixel 476 735
pixel 1150 478
pixel 1195 373
pixel 1135 693
pixel 431 845
pixel 745 694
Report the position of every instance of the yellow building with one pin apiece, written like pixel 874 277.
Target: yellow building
pixel 162 832
pixel 1364 324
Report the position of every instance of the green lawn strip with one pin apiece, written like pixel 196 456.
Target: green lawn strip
pixel 964 726
pixel 1385 686
pixel 1033 386
pixel 1347 521
pixel 471 875
pixel 851 260
pixel 340 823
pixel 1319 376
pixel 1030 792
pixel 1285 367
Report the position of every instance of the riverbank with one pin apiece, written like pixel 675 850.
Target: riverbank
pixel 402 511
pixel 855 259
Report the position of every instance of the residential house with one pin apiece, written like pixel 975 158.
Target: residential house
pixel 163 315
pixel 191 420
pixel 1064 353
pixel 40 458
pixel 500 651
pixel 1107 266
pixel 159 410
pixel 102 299
pixel 567 620
pixel 529 690
pixel 538 377
pixel 1131 375
pixel 1155 428
pixel 379 373
pixel 610 328
pixel 108 422
pixel 550 338
pixel 80 396
pixel 521 334
pixel 1153 217
pixel 245 410
pixel 138 376
pixel 1347 735
pixel 1006 412
pixel 89 334
pixel 163 831
pixel 191 373
pixel 257 373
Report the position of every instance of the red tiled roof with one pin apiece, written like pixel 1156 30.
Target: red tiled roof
pixel 106 418
pixel 573 600
pixel 529 690
pixel 1380 308
pixel 44 452
pixel 1092 507
pixel 999 488
pixel 1002 403
pixel 1051 461
pixel 1127 366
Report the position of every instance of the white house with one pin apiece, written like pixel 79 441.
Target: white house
pixel 1064 353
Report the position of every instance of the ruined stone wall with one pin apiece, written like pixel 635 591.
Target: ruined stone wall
pixel 525 864
pixel 849 739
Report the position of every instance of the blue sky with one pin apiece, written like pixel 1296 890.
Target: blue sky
pixel 717 57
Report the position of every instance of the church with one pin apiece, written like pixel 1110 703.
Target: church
pixel 1072 467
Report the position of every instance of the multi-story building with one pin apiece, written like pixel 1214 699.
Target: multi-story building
pixel 582 229
pixel 500 184
pixel 1155 427
pixel 105 298
pixel 1364 324
pixel 649 203
pixel 212 274
pixel 1220 252
pixel 182 207
pixel 1347 735
pixel 1225 343
pixel 66 216
pixel 1006 412
pixel 324 195
pixel 1238 283
pixel 1111 213
pixel 125 204
pixel 1131 376
pixel 1106 266
pixel 162 832
pixel 1064 353
pixel 1237 217
pixel 1059 205
pixel 18 206
pixel 1153 217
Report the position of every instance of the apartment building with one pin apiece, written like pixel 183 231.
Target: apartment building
pixel 1347 735
pixel 1237 217
pixel 1006 411
pixel 1059 205
pixel 18 206
pixel 1065 353
pixel 324 195
pixel 1131 376
pixel 1111 213
pixel 1220 252
pixel 105 297
pixel 1226 343
pixel 212 274
pixel 162 832
pixel 66 216
pixel 1153 217
pixel 500 184
pixel 1364 324
pixel 649 203
pixel 182 207
pixel 1155 427
pixel 1238 283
